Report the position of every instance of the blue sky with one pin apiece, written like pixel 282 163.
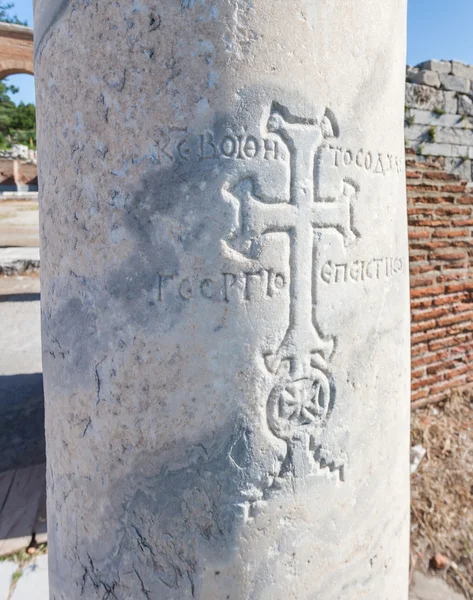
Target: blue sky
pixel 435 29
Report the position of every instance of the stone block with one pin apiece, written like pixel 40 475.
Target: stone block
pixel 428 117
pixel 455 84
pixel 460 167
pixel 435 149
pixel 451 102
pixel 454 135
pixel 462 151
pixel 465 105
pixel 417 133
pixel 440 66
pixel 427 98
pixel 431 78
pixel 411 70
pixel 461 69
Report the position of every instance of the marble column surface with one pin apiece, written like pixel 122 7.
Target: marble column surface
pixel 225 307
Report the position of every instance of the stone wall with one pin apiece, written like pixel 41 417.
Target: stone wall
pixel 439 114
pixel 440 209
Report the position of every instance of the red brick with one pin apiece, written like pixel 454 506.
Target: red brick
pixel 462 327
pixel 454 373
pixel 462 222
pixel 430 245
pixel 429 223
pixel 425 188
pixel 446 342
pixel 416 234
pixel 452 210
pixel 413 174
pixel 451 275
pixel 425 211
pixel 441 387
pixel 423 326
pixel 455 189
pixel 442 366
pixel 432 290
pixel 451 298
pixel 419 349
pixel 455 318
pixel 426 336
pixel 421 281
pixel 459 287
pixel 431 199
pixel 465 200
pixel 451 233
pixel 440 175
pixel 426 315
pixel 428 359
pixel 450 255
pixel 419 383
pixel 462 307
pixel 421 269
pixel 421 303
pixel 419 395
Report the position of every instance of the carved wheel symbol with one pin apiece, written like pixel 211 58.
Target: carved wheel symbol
pixel 299 406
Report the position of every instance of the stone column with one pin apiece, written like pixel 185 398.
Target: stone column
pixel 225 298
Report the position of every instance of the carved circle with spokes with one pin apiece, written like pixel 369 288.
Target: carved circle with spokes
pixel 299 405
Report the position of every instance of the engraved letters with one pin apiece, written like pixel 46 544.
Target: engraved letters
pixel 379 163
pixel 361 270
pixel 179 145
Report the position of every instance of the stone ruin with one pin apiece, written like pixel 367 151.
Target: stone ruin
pixel 439 114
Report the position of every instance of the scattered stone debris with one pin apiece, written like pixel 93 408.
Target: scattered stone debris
pixel 417 454
pixel 440 561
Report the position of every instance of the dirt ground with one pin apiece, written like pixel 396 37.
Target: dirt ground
pixel 19 223
pixel 442 491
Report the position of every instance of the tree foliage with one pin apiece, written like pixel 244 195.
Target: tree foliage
pixel 17 123
pixel 6 17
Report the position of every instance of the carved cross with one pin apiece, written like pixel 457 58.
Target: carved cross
pixel 298 218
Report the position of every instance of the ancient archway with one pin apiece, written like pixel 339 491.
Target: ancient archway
pixel 16 49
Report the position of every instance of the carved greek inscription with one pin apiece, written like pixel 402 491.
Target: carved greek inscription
pixel 177 144
pixel 379 163
pixel 227 287
pixel 361 270
pixel 302 399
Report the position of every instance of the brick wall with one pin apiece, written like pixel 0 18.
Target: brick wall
pixel 17 173
pixel 440 211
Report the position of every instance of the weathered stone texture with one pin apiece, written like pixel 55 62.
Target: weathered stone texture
pixel 416 116
pixel 425 78
pixel 427 98
pixel 440 66
pixel 462 69
pixel 455 84
pixel 465 106
pixel 225 298
pixel 439 122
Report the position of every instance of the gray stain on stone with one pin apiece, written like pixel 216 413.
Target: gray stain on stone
pixel 169 519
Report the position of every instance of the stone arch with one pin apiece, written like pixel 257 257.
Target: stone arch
pixel 16 49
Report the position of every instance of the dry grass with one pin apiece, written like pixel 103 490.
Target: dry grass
pixel 442 489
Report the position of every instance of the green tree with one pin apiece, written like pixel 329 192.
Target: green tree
pixel 17 123
pixel 6 17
